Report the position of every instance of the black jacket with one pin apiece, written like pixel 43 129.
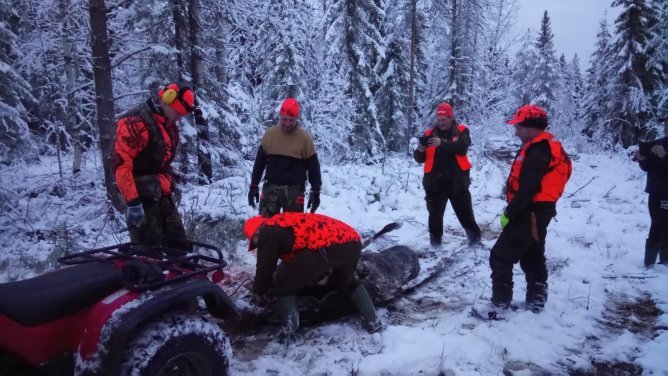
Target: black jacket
pixel 657 168
pixel 446 171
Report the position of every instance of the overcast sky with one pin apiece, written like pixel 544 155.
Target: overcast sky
pixel 575 23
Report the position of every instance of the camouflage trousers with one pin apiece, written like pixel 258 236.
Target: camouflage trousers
pixel 308 267
pixel 162 225
pixel 290 198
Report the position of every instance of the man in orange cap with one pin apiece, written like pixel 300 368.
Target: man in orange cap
pixel 146 142
pixel 537 179
pixel 287 157
pixel 310 246
pixel 443 150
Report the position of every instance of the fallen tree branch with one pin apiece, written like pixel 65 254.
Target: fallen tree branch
pixel 581 188
pixel 629 276
pixel 608 193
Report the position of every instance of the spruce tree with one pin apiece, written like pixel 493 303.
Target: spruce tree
pixel 597 98
pixel 545 74
pixel 15 96
pixel 657 63
pixel 633 85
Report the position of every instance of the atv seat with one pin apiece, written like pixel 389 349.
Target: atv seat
pixel 59 293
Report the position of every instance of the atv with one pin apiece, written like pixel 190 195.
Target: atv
pixel 126 309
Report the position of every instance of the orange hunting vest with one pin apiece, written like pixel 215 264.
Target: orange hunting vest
pixel 462 160
pixel 313 231
pixel 558 172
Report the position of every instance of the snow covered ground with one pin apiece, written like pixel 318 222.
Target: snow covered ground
pixel 604 308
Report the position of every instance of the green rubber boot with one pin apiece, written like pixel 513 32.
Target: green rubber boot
pixel 362 301
pixel 289 316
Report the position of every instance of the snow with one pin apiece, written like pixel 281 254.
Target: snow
pixel 594 249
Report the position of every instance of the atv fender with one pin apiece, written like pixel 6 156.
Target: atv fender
pixel 149 305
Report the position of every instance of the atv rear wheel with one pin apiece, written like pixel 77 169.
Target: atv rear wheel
pixel 178 345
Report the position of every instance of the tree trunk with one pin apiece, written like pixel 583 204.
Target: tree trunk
pixel 104 95
pixel 72 74
pixel 179 28
pixel 411 79
pixel 221 55
pixel 454 51
pixel 292 91
pixel 179 42
pixel 197 65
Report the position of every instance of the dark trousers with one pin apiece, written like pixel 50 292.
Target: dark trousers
pixel 658 213
pixel 523 241
pixel 308 267
pixel 437 199
pixel 162 224
pixel 290 198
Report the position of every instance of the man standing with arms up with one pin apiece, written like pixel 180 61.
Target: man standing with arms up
pixel 288 155
pixel 146 142
pixel 443 149
pixel 537 179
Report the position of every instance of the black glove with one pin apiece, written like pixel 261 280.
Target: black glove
pixel 313 201
pixel 253 196
pixel 135 214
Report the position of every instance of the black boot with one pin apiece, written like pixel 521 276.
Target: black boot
pixel 434 240
pixel 536 296
pixel 474 238
pixel 652 249
pixel 502 294
pixel 663 254
pixel 362 301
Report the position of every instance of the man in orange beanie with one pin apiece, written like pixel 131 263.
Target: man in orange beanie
pixel 287 157
pixel 310 246
pixel 443 150
pixel 146 141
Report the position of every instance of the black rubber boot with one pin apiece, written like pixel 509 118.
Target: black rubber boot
pixel 362 301
pixel 536 296
pixel 502 294
pixel 652 249
pixel 474 238
pixel 434 240
pixel 663 255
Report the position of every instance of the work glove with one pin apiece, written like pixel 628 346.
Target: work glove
pixel 135 214
pixel 504 220
pixel 313 201
pixel 253 196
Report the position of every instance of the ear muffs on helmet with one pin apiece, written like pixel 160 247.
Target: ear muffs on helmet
pixel 173 95
pixel 169 95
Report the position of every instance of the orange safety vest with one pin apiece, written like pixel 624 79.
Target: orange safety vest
pixel 558 172
pixel 313 231
pixel 462 160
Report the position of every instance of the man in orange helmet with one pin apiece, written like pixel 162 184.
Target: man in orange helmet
pixel 310 246
pixel 146 142
pixel 537 179
pixel 286 157
pixel 443 150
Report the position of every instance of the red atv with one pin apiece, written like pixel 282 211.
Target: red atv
pixel 119 310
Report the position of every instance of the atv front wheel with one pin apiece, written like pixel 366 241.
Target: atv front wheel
pixel 181 345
